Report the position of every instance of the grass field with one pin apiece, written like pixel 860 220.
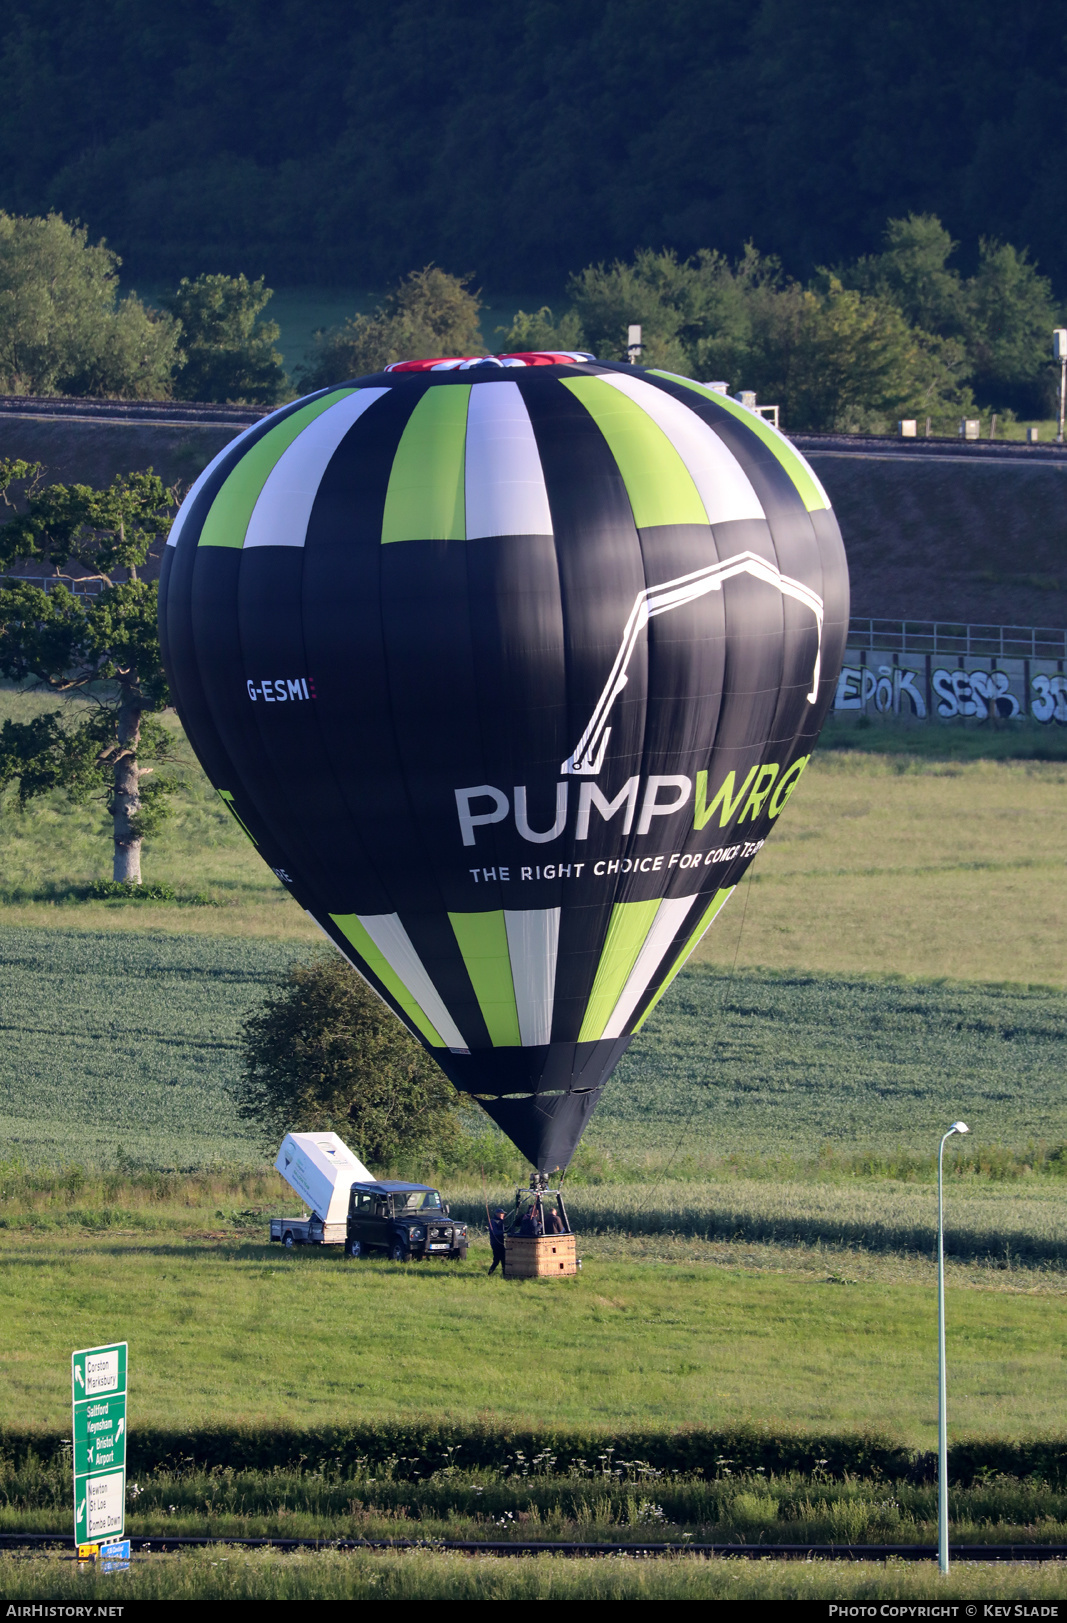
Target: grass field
pixel 888 862
pixel 897 864
pixel 231 1574
pixel 245 1333
pixel 754 1199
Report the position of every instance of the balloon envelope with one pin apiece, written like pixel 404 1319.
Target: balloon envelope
pixel 508 671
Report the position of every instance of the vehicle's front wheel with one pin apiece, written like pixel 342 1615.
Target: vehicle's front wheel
pixel 398 1251
pixel 353 1248
pixel 288 1241
pixel 460 1255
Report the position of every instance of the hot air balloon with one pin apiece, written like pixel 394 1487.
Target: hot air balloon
pixel 508 666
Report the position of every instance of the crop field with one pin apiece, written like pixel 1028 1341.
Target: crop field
pixel 123 1045
pixel 130 1041
pixel 780 1065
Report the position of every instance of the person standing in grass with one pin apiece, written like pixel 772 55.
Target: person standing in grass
pixel 496 1239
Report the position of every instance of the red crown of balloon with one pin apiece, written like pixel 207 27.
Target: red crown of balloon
pixel 462 363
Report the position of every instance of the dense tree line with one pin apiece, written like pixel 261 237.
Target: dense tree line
pixel 344 143
pixel 64 329
pixel 898 332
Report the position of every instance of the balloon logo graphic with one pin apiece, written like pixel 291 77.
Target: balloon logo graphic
pixel 508 668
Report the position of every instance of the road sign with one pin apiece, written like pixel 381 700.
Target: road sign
pixel 98 1388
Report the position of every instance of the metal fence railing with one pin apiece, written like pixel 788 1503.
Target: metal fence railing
pixel 888 636
pixel 943 637
pixel 80 586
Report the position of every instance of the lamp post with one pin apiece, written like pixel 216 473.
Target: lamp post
pixel 942 1423
pixel 1059 353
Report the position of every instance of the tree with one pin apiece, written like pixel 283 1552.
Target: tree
pixel 837 360
pixel 681 304
pixel 912 272
pixel 1010 314
pixel 229 351
pixel 539 329
pixel 840 354
pixel 832 357
pixel 429 313
pixel 63 327
pixel 104 647
pixel 992 331
pixel 324 1053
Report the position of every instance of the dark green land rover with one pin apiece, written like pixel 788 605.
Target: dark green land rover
pixel 405 1220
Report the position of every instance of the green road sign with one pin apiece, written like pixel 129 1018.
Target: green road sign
pixel 99 1434
pixel 98 1389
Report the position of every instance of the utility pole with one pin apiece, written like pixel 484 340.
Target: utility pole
pixel 942 1404
pixel 1059 353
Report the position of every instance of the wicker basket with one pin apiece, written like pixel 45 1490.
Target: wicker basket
pixel 535 1256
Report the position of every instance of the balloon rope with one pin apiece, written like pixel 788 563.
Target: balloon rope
pixel 718 1023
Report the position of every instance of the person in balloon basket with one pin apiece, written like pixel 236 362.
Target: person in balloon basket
pixel 554 1223
pixel 496 1239
pixel 532 1225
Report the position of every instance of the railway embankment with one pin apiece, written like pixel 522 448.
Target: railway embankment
pixel 935 529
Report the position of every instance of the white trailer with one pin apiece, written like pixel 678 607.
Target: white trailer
pixel 322 1169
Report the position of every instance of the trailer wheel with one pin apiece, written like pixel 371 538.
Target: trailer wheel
pixel 398 1251
pixel 353 1248
pixel 288 1241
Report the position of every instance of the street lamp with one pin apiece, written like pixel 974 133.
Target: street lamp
pixel 942 1424
pixel 1059 353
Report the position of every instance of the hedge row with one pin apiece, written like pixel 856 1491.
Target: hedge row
pixel 419 1449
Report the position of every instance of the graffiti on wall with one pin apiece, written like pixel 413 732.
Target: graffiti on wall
pixel 912 685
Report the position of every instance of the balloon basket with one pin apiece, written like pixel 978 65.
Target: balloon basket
pixel 539 1256
pixel 538 1243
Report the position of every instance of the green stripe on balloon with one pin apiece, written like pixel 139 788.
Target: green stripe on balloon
pixel 808 487
pixel 706 920
pixel 376 961
pixel 426 498
pixel 658 483
pixel 630 924
pixel 483 941
pixel 227 521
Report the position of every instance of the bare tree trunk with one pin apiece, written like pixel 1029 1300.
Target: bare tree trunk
pixel 127 794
